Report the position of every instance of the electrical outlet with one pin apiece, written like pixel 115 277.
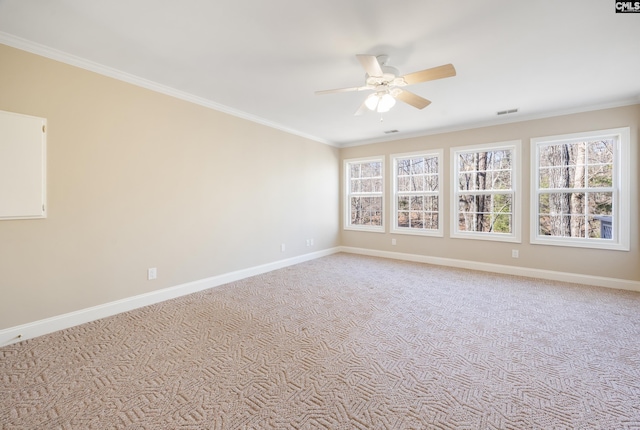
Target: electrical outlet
pixel 152 273
pixel 308 242
pixel 282 247
pixel 515 253
pixel 393 241
pixel 311 242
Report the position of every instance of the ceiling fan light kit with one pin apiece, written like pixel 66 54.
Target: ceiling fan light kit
pixel 387 84
pixel 380 102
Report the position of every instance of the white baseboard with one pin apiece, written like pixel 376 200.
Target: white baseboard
pixel 620 284
pixel 49 325
pixel 71 319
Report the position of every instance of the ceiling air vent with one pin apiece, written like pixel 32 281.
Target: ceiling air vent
pixel 391 131
pixel 507 112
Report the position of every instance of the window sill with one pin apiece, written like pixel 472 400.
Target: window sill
pixel 599 244
pixel 487 236
pixel 366 229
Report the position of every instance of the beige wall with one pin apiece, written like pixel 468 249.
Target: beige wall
pixel 614 264
pixel 138 179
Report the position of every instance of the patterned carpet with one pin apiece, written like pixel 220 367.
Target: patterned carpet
pixel 342 342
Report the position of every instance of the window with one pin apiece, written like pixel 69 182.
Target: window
pixel 417 199
pixel 364 179
pixel 486 192
pixel 580 189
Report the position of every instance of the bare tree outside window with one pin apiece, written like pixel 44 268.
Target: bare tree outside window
pixel 484 191
pixel 365 186
pixel 417 195
pixel 575 182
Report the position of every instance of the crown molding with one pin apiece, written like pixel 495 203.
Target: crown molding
pixel 63 57
pixel 489 123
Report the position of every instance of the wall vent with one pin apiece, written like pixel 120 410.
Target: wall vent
pixel 391 131
pixel 506 112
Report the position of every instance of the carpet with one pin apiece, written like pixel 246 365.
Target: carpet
pixel 342 342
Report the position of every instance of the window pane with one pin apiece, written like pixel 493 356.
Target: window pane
pixel 466 203
pixel 431 183
pixel 403 219
pixel 601 203
pixel 501 180
pixel 544 225
pixel 377 185
pixel 601 151
pixel 417 203
pixel 417 166
pixel 431 203
pixel 600 227
pixel 466 181
pixel 356 185
pixel 466 222
pixel 355 170
pixel 601 175
pixel 404 183
pixel 482 181
pixel 356 211
pixel 578 225
pixel 416 219
pixel 431 221
pixel 403 203
pixel 466 162
pixel 403 166
pixel 431 165
pixel 501 223
pixel 417 183
pixel 371 169
pixel 501 203
pixel 500 160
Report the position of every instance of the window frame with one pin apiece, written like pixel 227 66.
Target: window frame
pixel 516 192
pixel 621 190
pixel 348 194
pixel 439 232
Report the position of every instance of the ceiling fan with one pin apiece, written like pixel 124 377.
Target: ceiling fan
pixel 387 84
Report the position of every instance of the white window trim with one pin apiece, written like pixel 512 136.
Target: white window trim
pixel 347 194
pixel 439 232
pixel 516 176
pixel 621 194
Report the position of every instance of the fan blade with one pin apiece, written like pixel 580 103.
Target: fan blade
pixel 342 90
pixel 439 72
pixel 370 65
pixel 413 99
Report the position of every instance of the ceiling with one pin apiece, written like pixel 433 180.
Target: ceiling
pixel 263 60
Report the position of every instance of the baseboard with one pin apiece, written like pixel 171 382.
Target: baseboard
pixel 620 284
pixel 71 319
pixel 49 325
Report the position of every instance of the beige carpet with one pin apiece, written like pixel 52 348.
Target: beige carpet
pixel 343 342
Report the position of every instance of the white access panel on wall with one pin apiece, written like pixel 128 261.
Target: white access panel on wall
pixel 22 166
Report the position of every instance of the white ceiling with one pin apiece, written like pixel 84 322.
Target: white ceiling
pixel 263 60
